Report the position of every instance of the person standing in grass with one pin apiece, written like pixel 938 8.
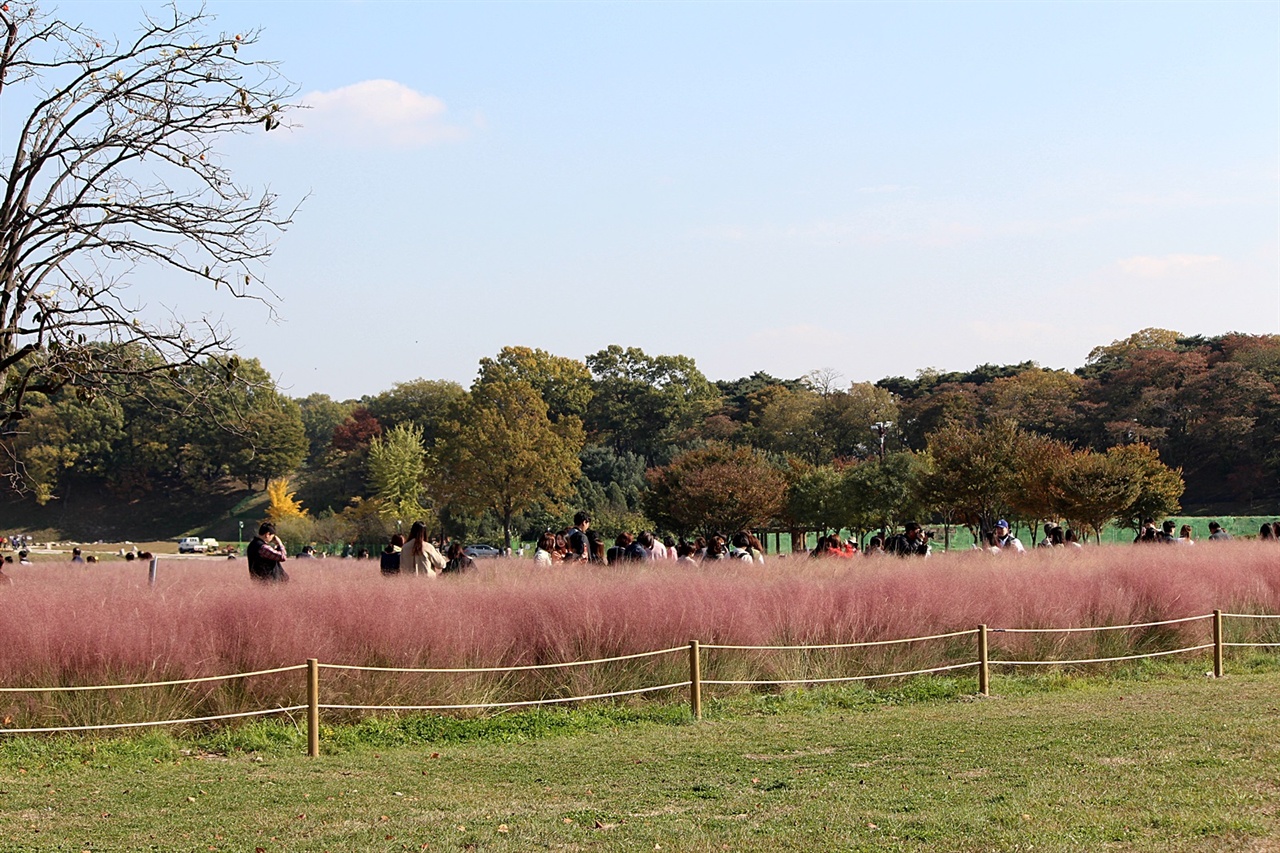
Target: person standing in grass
pixel 266 555
pixel 576 539
pixel 1217 534
pixel 1184 535
pixel 419 555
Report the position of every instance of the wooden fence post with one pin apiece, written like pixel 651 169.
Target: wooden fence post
pixel 984 670
pixel 151 572
pixel 1217 643
pixel 695 679
pixel 313 707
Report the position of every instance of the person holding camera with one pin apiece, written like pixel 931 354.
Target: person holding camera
pixel 911 542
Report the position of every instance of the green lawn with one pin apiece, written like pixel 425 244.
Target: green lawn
pixel 1150 759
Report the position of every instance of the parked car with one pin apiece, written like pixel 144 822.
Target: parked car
pixel 211 545
pixel 191 545
pixel 481 551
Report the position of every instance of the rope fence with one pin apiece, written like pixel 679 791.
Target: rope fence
pixel 979 636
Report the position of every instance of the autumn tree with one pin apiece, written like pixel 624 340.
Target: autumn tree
pixel 1158 488
pixel 504 454
pixel 281 501
pixel 1094 489
pixel 977 472
pixel 113 167
pixel 716 488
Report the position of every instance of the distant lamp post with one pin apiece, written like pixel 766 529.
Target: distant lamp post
pixel 880 428
pixel 240 539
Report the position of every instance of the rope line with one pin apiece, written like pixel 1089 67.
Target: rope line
pixel 523 704
pixel 841 645
pixel 524 668
pixel 1099 660
pixel 1253 645
pixel 1098 627
pixel 851 677
pixel 1252 615
pixel 105 726
pixel 82 687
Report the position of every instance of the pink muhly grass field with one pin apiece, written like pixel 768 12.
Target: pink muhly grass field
pixel 68 625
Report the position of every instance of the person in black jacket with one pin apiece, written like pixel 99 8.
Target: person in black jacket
pixel 911 542
pixel 266 554
pixel 389 559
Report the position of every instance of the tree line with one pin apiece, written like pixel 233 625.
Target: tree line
pixel 648 442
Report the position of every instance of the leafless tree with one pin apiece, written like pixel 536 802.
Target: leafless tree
pixel 111 168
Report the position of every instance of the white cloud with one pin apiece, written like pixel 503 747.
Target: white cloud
pixel 1146 266
pixel 377 113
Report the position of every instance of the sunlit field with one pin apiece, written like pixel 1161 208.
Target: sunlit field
pixel 75 626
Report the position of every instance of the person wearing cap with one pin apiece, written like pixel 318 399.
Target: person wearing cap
pixel 1005 540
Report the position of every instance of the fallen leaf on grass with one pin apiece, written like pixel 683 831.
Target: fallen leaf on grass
pixel 603 825
pixel 502 827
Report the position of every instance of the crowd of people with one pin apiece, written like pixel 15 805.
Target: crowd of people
pixel 581 544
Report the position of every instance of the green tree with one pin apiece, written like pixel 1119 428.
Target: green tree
pixel 321 416
pixel 504 453
pixel 787 424
pixel 426 403
pixel 816 498
pixel 844 420
pixel 884 492
pixel 66 436
pixel 397 469
pixel 716 488
pixel 564 383
pixel 643 404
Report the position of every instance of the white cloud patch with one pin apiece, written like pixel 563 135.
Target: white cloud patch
pixel 1146 266
pixel 377 113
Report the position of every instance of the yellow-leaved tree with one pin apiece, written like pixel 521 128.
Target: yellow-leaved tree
pixel 282 502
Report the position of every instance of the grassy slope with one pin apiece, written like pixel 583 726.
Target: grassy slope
pixel 88 513
pixel 1175 763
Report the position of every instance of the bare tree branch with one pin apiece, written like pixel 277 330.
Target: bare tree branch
pixel 115 168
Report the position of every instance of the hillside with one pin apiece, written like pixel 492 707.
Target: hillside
pixel 86 512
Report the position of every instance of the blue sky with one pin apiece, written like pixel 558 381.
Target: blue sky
pixel 871 188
